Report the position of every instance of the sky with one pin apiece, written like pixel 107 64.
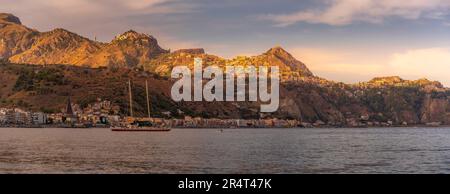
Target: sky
pixel 341 40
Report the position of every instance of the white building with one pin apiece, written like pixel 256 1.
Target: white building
pixel 38 118
pixel 3 115
pixel 17 116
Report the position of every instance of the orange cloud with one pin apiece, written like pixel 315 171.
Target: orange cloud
pixel 344 12
pixel 339 61
pixel 431 63
pixel 353 66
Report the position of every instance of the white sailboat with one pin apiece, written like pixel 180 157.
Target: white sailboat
pixel 136 125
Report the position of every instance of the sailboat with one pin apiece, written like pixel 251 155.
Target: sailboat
pixel 136 125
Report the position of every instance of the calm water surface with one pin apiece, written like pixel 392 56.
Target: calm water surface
pixel 387 150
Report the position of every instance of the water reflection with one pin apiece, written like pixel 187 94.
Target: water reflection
pixel 387 150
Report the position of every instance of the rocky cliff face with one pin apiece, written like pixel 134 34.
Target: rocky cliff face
pixel 14 37
pixel 7 17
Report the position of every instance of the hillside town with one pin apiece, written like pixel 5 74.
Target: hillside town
pixel 99 114
pixel 104 114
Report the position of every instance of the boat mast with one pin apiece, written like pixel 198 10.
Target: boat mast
pixel 131 98
pixel 148 102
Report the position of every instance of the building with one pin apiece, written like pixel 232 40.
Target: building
pixel 99 112
pixel 55 118
pixel 38 118
pixel 70 116
pixel 3 115
pixel 17 116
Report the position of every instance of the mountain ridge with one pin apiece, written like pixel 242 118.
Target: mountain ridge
pixel 130 49
pixel 21 44
pixel 66 64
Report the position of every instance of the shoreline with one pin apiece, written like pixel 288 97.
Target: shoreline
pixel 212 127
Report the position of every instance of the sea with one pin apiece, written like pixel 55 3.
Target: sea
pixel 237 151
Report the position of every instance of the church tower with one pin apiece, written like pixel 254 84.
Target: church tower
pixel 69 109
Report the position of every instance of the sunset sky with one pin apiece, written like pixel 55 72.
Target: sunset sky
pixel 342 40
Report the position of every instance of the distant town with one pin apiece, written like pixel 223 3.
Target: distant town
pixel 99 114
pixel 103 114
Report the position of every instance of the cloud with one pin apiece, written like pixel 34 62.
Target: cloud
pixel 340 61
pixel 97 8
pixel 140 4
pixel 352 66
pixel 349 66
pixel 344 12
pixel 158 6
pixel 431 63
pixel 173 43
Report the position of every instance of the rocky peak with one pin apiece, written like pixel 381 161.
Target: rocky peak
pixel 280 53
pixel 126 50
pixel 135 37
pixel 63 33
pixel 279 56
pixel 14 37
pixel 9 18
pixel 137 44
pixel 277 50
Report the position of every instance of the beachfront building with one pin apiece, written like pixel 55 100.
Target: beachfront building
pixel 17 116
pixel 2 115
pixel 38 118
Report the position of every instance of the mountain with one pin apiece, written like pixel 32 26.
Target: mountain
pixel 58 46
pixel 14 37
pixel 311 100
pixel 23 45
pixel 290 68
pixel 57 64
pixel 130 49
pixel 126 50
